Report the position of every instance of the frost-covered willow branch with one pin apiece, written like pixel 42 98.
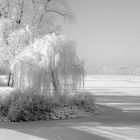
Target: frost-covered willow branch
pixel 49 62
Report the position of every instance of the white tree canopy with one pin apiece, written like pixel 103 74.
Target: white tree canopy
pixel 56 57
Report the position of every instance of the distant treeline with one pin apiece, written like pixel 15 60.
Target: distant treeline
pixel 114 70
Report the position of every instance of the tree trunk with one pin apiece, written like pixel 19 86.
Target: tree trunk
pixel 9 79
pixel 55 82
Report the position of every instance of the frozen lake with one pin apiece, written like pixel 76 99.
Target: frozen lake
pixel 113 85
pixel 118 91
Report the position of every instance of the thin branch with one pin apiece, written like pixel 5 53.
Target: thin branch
pixel 57 12
pixel 42 15
pixel 21 12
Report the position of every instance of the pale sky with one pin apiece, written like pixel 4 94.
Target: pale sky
pixel 107 31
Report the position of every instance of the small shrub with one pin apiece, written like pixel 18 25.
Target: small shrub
pixel 29 105
pixel 84 101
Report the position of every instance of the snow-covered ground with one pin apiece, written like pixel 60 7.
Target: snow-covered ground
pixel 122 92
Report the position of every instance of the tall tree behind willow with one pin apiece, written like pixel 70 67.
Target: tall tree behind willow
pixel 34 17
pixel 38 14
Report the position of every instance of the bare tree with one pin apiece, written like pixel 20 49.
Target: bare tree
pixel 35 13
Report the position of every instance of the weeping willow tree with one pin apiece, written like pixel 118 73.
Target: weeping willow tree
pixel 49 63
